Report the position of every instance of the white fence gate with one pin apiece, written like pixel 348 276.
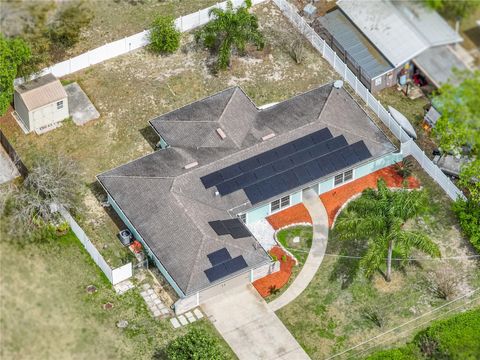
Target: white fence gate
pixel 123 46
pixel 408 146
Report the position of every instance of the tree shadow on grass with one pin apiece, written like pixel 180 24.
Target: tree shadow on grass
pixel 150 135
pixel 159 354
pixel 346 268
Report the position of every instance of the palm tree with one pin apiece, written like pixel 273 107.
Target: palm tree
pixel 378 216
pixel 230 28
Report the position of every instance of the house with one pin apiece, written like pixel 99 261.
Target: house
pixel 40 104
pixel 225 164
pixel 384 42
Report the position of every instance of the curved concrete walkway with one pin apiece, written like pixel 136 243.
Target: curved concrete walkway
pixel 319 216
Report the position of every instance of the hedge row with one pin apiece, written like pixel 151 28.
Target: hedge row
pixel 457 337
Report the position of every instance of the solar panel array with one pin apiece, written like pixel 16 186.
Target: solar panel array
pixel 223 264
pixel 234 227
pixel 288 166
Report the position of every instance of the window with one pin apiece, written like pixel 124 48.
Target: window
pixel 338 179
pixel 59 105
pixel 285 201
pixel 280 203
pixel 243 218
pixel 341 178
pixel 348 175
pixel 275 205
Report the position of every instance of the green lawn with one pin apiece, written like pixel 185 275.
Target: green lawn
pixel 300 249
pixel 331 315
pixel 132 89
pixel 47 314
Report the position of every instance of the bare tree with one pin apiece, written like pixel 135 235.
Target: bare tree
pixel 49 182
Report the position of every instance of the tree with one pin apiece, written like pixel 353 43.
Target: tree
pixel 196 344
pixel 230 29
pixel 164 36
pixel 378 216
pixel 28 206
pixel 458 128
pixel 13 53
pixel 453 9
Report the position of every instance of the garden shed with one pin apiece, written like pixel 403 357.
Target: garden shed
pixel 40 104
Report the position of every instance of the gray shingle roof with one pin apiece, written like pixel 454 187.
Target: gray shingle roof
pixel 169 206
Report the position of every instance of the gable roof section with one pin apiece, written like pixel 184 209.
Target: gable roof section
pixel 400 30
pixel 171 208
pixel 41 91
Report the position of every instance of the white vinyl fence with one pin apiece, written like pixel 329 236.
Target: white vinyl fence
pixel 123 46
pixel 408 146
pixel 114 275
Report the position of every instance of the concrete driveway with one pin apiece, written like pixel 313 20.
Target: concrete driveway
pixel 250 327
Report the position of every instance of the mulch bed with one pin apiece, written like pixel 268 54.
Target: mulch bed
pixel 280 278
pixel 334 199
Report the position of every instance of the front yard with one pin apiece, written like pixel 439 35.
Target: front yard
pixel 341 308
pixel 132 89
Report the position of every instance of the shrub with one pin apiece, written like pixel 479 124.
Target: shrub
pixel 403 353
pixel 197 344
pixel 404 168
pixel 284 258
pixel 274 257
pixel 453 338
pixel 67 25
pixel 164 36
pixel 468 213
pixel 443 283
pixel 374 315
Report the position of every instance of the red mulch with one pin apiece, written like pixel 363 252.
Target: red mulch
pixel 292 215
pixel 334 199
pixel 278 279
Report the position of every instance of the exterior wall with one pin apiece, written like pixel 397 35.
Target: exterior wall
pixel 21 110
pixel 192 301
pixel 263 211
pixel 48 115
pixel 149 252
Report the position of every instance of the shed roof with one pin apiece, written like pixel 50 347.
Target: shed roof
pixel 41 91
pixel 400 30
pixel 354 42
pixel 169 205
pixel 438 64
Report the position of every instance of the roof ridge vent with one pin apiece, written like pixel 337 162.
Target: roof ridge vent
pixel 191 165
pixel 268 136
pixel 221 133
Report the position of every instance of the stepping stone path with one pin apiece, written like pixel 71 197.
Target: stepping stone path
pixel 187 318
pixel 154 303
pixel 123 287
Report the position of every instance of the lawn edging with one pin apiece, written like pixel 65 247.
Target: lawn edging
pixel 281 245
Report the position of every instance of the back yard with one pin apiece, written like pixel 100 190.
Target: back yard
pixel 132 89
pixel 341 308
pixel 46 312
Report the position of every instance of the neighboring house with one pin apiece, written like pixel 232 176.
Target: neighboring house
pixel 41 104
pixel 225 163
pixel 382 40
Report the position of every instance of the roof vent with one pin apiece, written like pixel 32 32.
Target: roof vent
pixel 217 193
pixel 221 133
pixel 269 136
pixel 338 84
pixel 191 165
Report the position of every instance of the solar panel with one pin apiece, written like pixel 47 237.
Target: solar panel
pixel 237 263
pixel 285 150
pixel 248 164
pixel 321 135
pixel 337 143
pixel 253 193
pixel 267 157
pixel 238 233
pixel 216 272
pixel 361 150
pixel 290 180
pixel 246 179
pixel 219 256
pixel 211 179
pixel 231 171
pixel 264 172
pixel 302 174
pixel 282 164
pixel 218 227
pixel 303 143
pixel 227 187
